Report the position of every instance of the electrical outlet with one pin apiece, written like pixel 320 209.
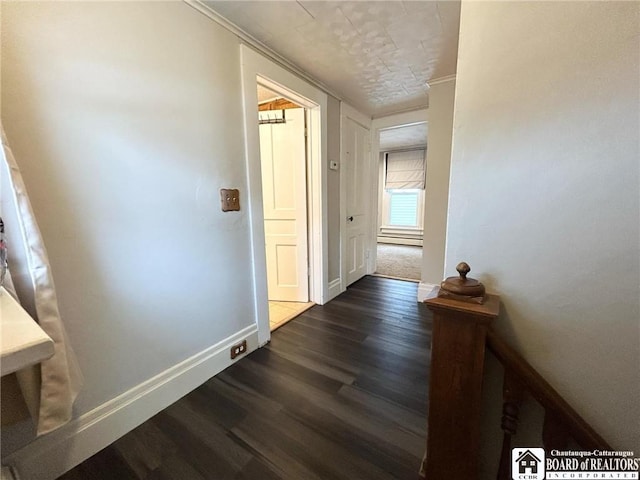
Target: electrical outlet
pixel 230 199
pixel 238 349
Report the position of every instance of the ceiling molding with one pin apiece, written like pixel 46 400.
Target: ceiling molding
pixel 260 47
pixel 437 81
pixel 400 112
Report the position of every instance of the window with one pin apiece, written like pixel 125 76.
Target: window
pixel 402 199
pixel 403 208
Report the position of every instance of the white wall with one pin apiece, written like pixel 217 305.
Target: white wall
pixel 544 192
pixel 126 120
pixel 441 100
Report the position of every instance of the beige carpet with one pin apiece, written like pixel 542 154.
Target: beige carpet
pixel 399 261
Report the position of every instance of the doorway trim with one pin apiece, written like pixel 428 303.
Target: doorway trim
pixel 378 124
pixel 258 69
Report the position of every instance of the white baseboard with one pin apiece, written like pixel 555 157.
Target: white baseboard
pixel 51 455
pixel 335 289
pixel 424 289
pixel 416 242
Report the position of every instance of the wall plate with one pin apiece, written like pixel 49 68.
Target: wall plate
pixel 230 199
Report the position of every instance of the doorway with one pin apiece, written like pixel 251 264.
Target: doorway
pixel 257 69
pixel 401 193
pixel 284 160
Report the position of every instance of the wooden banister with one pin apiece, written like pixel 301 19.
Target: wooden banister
pixel 556 408
pixel 462 317
pixel 561 421
pixel 512 394
pixel 457 363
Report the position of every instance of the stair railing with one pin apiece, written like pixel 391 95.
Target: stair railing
pixel 462 317
pixel 561 422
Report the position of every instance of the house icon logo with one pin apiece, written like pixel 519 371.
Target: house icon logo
pixel 527 464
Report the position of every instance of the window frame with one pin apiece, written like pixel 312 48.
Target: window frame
pixel 387 227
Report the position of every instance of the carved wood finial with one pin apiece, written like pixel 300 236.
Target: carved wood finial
pixel 462 288
pixel 463 268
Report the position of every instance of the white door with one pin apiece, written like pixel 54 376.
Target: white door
pixel 357 151
pixel 284 190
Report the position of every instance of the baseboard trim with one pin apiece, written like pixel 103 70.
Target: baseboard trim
pixel 416 242
pixel 412 280
pixel 51 455
pixel 424 290
pixel 335 289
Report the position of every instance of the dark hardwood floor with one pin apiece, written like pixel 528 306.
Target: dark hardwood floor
pixel 339 393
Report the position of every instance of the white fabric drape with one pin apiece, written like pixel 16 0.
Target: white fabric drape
pixel 405 169
pixel 50 388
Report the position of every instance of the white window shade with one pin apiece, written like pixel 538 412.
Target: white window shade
pixel 403 208
pixel 405 170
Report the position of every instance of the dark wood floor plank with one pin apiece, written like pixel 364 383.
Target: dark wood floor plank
pixel 403 417
pixel 104 465
pixel 173 468
pixel 257 470
pixel 271 360
pixel 355 354
pixel 145 448
pixel 340 393
pixel 203 440
pixel 241 394
pixel 215 406
pixel 366 436
pixel 271 446
pixel 408 400
pixel 345 463
pixel 322 367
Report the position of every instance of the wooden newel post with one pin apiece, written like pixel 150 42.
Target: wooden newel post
pixel 462 313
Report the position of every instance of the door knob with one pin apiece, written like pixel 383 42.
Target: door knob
pixel 350 218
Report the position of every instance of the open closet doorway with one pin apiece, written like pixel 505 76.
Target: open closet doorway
pixel 259 70
pixel 401 193
pixel 284 160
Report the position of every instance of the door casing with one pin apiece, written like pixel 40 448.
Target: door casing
pixel 257 68
pixel 382 123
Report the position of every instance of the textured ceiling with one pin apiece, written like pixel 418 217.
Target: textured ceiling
pixel 378 55
pixel 403 137
pixel 390 138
